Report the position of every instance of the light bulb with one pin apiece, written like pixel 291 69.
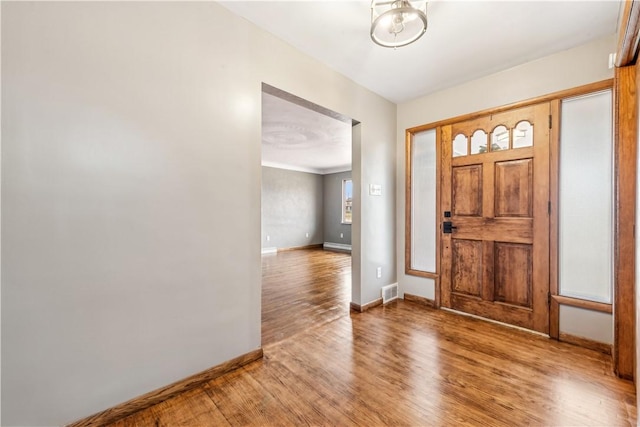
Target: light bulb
pixel 397 24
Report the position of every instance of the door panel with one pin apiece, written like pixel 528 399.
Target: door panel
pixel 467 182
pixel 513 275
pixel 514 188
pixel 467 267
pixel 495 263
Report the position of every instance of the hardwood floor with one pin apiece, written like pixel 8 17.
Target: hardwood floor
pixel 402 364
pixel 303 289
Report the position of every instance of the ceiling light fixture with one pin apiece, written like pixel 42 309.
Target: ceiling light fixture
pixel 397 23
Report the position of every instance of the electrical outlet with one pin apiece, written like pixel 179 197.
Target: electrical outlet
pixel 341 235
pixel 268 238
pixel 306 234
pixel 379 272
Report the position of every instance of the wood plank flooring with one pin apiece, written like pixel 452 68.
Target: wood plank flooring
pixel 302 289
pixel 405 364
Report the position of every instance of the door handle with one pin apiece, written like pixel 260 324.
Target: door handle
pixel 448 227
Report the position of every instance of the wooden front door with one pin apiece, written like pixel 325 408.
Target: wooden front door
pixel 495 198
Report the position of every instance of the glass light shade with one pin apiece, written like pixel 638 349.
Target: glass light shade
pixel 397 23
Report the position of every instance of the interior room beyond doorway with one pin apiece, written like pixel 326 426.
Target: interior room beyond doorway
pixel 307 201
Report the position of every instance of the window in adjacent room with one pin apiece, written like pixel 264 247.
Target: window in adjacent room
pixel 347 201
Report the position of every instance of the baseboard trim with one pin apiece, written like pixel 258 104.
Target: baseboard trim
pixel 339 247
pixel 362 308
pixel 139 403
pixel 272 250
pixel 586 343
pixel 297 248
pixel 420 300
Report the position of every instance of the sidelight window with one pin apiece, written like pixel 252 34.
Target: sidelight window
pixel 423 220
pixel 586 197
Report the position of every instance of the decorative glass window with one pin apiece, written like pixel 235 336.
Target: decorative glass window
pixel 523 135
pixel 347 201
pixel 479 142
pixel 500 138
pixel 460 145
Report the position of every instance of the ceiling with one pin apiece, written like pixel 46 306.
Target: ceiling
pixel 465 40
pixel 303 137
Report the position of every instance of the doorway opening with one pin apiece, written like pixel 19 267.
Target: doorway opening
pixel 306 214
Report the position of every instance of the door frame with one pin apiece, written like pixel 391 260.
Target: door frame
pixel 625 154
pixel 626 105
pixel 555 300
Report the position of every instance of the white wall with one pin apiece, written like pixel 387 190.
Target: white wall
pixel 571 68
pixel 131 195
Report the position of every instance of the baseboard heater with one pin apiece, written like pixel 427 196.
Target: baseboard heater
pixel 336 247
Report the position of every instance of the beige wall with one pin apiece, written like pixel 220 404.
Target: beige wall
pixel 571 68
pixel 131 195
pixel 127 128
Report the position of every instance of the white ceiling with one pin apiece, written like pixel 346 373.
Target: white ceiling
pixel 465 40
pixel 300 138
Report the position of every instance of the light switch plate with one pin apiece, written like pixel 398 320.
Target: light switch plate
pixel 375 190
